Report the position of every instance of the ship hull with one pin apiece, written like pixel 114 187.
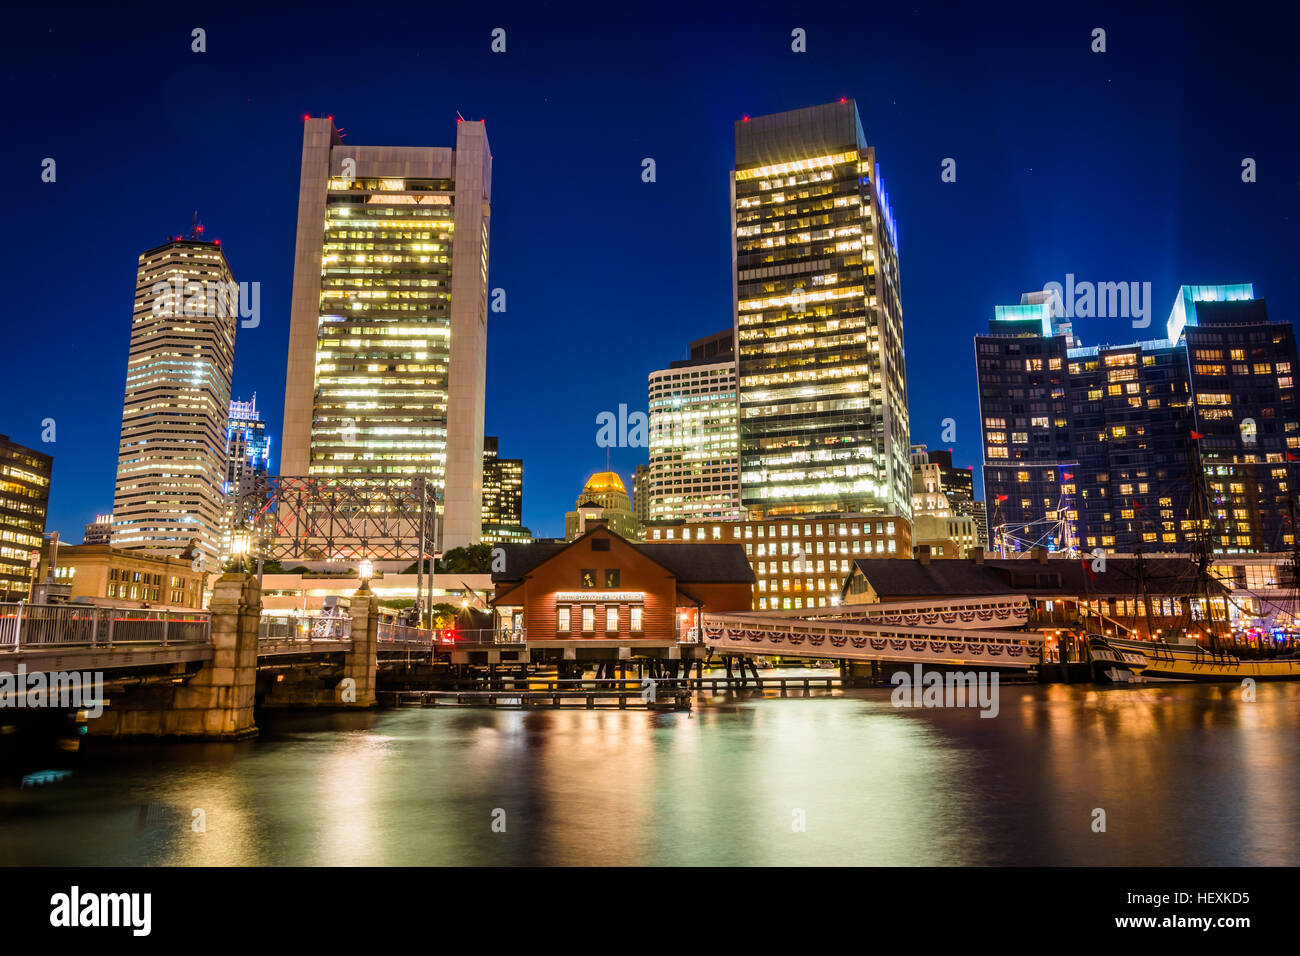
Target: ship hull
pixel 1190 662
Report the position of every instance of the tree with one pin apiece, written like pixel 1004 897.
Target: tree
pixel 474 559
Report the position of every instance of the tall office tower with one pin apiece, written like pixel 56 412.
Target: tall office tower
pixel 388 338
pixel 171 459
pixel 1096 447
pixel 24 499
pixel 99 531
pixel 248 464
pixel 503 490
pixel 819 320
pixel 641 494
pixel 694 445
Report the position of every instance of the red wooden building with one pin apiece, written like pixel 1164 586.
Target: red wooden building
pixel 603 598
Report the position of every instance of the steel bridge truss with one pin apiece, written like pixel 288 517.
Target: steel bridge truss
pixel 341 518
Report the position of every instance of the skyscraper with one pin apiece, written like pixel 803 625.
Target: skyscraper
pixel 694 450
pixel 503 496
pixel 24 498
pixel 388 336
pixel 1099 447
pixel 819 321
pixel 171 462
pixel 248 462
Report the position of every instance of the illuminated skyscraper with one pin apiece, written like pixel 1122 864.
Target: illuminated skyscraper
pixel 694 453
pixel 503 496
pixel 388 338
pixel 171 461
pixel 1100 447
pixel 24 499
pixel 248 461
pixel 819 320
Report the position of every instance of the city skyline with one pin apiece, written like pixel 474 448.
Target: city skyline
pixel 1066 225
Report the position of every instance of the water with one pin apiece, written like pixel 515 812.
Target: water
pixel 1186 774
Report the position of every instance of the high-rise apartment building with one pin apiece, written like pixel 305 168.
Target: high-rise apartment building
pixel 1104 446
pixel 24 499
pixel 388 337
pixel 819 320
pixel 694 470
pixel 248 464
pixel 171 460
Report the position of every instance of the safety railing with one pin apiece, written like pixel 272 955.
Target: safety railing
pixel 29 627
pixel 305 628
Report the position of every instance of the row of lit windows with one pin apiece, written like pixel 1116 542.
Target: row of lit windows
pixel 635 617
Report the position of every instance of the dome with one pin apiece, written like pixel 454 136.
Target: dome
pixel 603 482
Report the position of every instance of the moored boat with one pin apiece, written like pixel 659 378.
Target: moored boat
pixel 1189 661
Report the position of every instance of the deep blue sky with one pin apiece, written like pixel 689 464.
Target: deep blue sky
pixel 1116 166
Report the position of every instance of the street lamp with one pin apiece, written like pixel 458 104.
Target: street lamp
pixel 367 569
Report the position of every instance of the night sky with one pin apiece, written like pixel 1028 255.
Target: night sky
pixel 1122 166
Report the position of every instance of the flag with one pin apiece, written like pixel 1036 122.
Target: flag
pixel 1196 436
pixel 1002 498
pixel 1067 476
pixel 1291 457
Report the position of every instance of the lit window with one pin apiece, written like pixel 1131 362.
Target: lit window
pixel 562 619
pixel 611 618
pixel 588 618
pixel 635 615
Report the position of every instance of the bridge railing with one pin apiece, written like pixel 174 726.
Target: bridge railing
pixel 30 627
pixel 408 634
pixel 488 635
pixel 291 628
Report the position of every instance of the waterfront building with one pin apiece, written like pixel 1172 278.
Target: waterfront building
pixel 819 319
pixel 603 499
pixel 306 590
pixel 99 531
pixel 694 470
pixel 116 577
pixel 1099 447
pixel 25 475
pixel 603 598
pixel 248 466
pixel 388 335
pixel 1065 594
pixel 171 466
pixel 798 561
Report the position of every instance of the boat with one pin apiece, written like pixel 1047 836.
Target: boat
pixel 1114 665
pixel 1190 661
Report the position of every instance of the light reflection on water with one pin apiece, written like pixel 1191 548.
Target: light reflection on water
pixel 1186 775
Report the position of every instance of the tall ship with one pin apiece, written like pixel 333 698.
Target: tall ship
pixel 1217 657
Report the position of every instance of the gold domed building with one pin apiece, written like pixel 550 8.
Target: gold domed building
pixel 603 497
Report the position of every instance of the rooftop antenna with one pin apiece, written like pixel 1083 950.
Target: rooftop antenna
pixel 458 116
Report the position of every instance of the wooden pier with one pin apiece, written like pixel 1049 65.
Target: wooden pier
pixel 507 691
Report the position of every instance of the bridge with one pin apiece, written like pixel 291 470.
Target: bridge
pixel 954 632
pixel 198 674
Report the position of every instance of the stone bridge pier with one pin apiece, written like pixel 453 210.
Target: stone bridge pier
pixel 329 686
pixel 217 702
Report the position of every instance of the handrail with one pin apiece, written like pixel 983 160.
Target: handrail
pixel 25 626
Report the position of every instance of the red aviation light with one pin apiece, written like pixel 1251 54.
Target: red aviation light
pixel 744 119
pixel 306 117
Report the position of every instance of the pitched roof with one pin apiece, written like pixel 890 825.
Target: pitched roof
pixel 690 563
pixel 891 577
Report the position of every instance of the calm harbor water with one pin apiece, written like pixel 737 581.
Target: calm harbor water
pixel 1187 775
